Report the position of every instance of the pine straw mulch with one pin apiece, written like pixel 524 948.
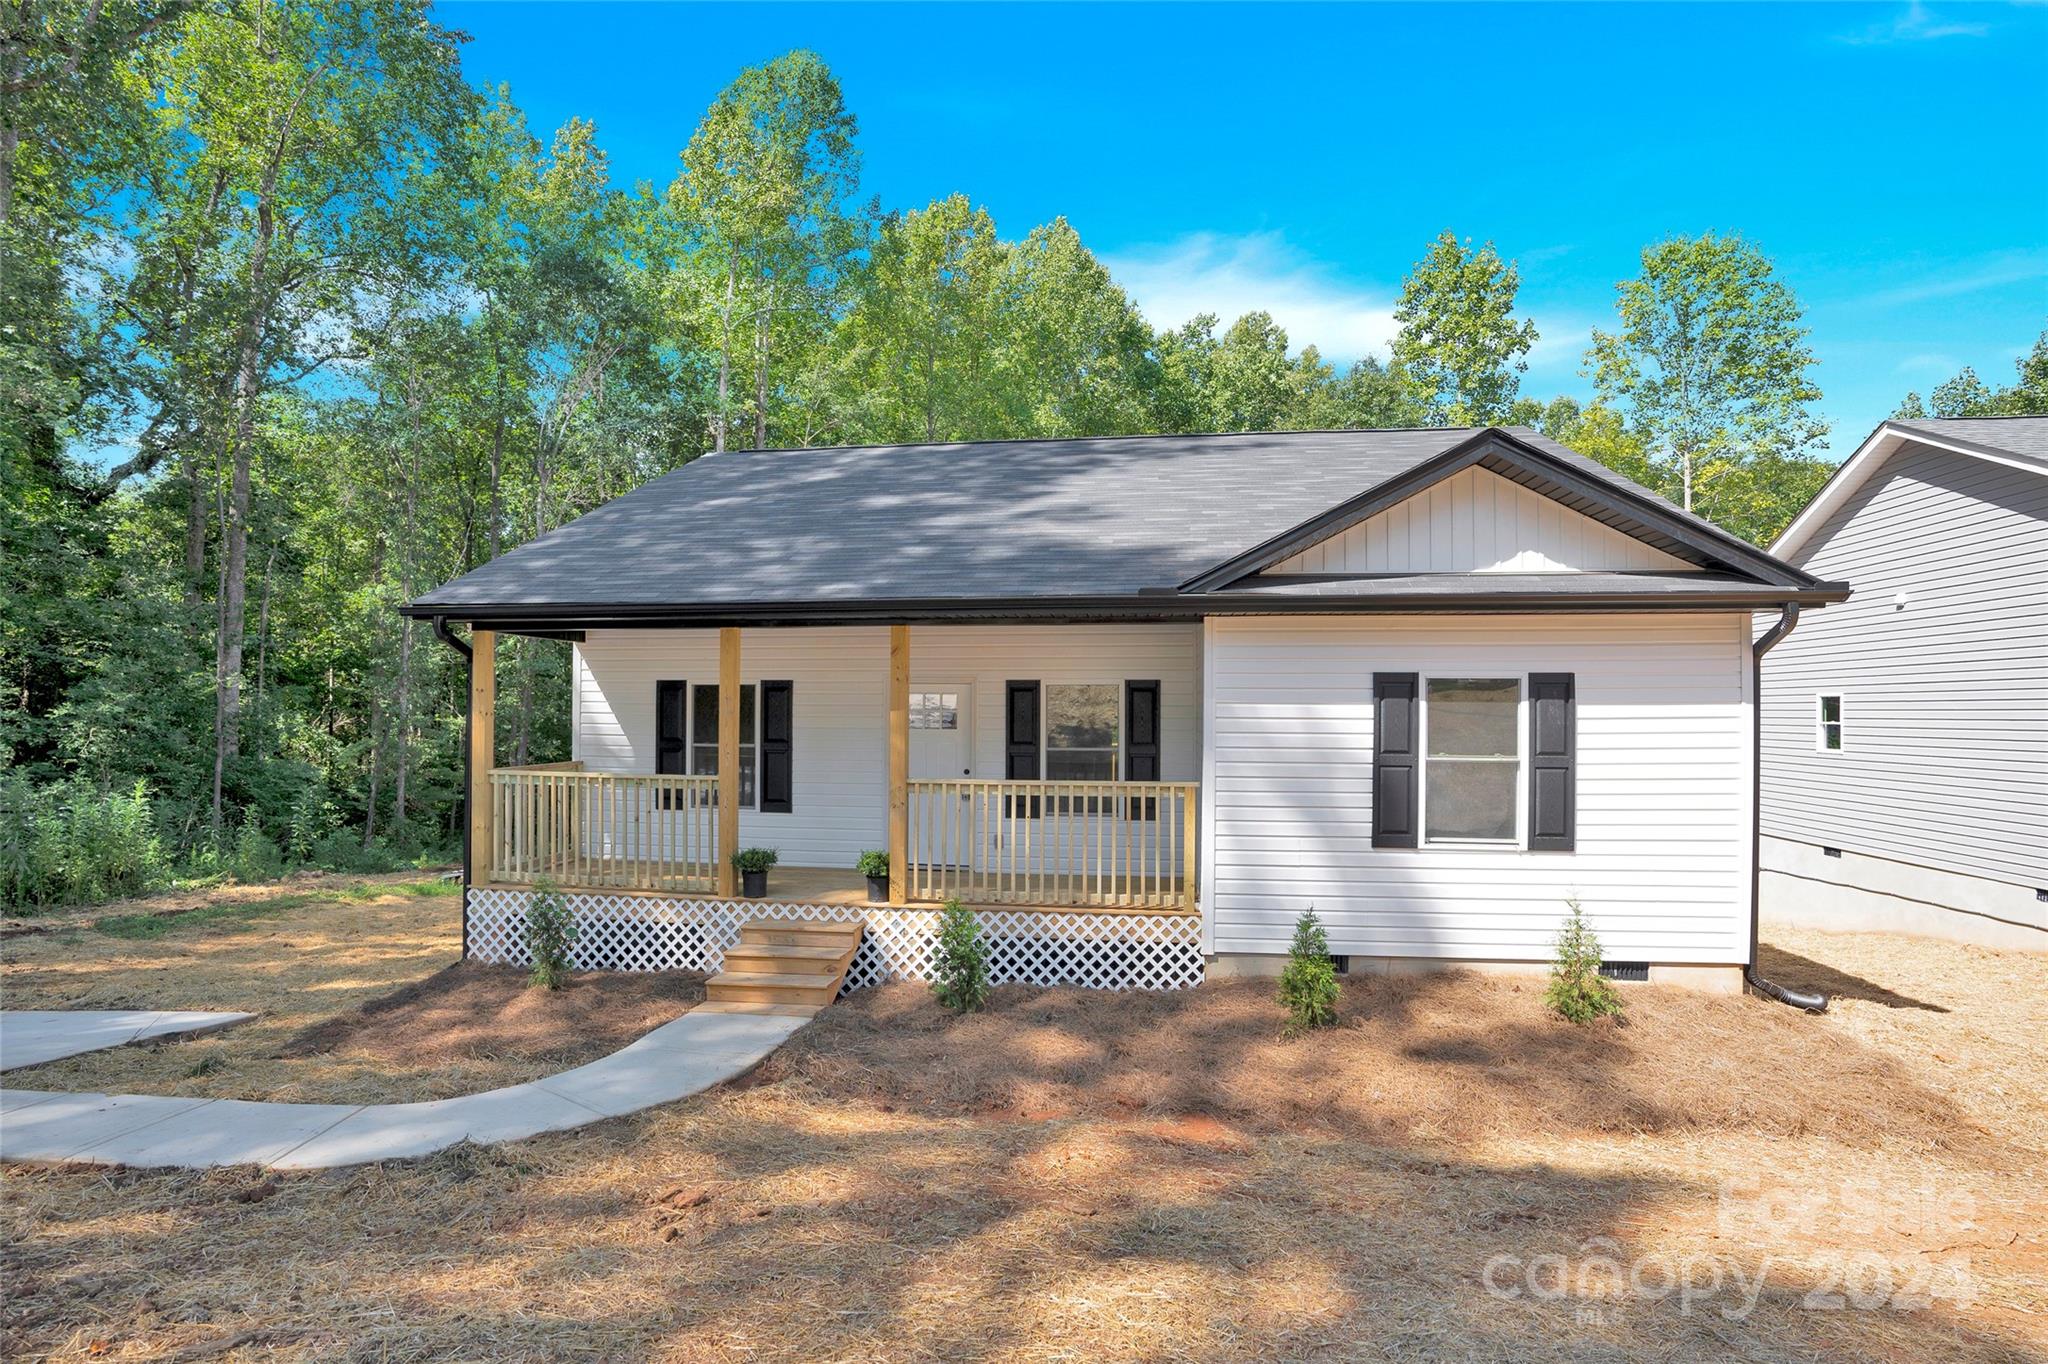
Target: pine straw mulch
pixel 349 1005
pixel 1078 1177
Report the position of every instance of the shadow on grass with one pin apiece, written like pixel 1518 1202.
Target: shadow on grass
pixel 1803 973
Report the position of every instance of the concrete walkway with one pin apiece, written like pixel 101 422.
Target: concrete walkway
pixel 30 1037
pixel 674 1061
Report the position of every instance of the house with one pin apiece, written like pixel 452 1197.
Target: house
pixel 1905 739
pixel 1143 700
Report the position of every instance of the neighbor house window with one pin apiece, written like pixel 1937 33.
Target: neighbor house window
pixel 1081 731
pixel 1829 735
pixel 704 704
pixel 1472 767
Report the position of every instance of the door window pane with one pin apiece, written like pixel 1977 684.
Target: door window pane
pixel 1473 769
pixel 934 710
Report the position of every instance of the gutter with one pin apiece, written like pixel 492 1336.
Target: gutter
pixel 441 632
pixel 1165 604
pixel 1812 1002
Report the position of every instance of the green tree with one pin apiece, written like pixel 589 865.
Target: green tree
pixel 1459 344
pixel 764 192
pixel 1968 396
pixel 921 344
pixel 1709 364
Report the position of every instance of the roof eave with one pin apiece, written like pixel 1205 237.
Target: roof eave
pixel 527 617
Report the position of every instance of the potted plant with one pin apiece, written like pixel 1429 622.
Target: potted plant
pixel 875 866
pixel 753 864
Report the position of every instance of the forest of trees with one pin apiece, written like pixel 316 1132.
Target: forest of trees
pixel 296 323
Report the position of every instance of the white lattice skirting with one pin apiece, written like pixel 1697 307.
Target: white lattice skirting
pixel 643 933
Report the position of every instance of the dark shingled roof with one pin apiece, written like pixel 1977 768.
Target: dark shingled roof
pixel 1045 519
pixel 2014 435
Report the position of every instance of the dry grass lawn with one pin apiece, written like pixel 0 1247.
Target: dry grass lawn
pixel 1077 1176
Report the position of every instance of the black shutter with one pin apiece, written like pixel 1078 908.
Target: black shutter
pixel 1394 760
pixel 778 746
pixel 671 736
pixel 1020 739
pixel 1141 742
pixel 1553 759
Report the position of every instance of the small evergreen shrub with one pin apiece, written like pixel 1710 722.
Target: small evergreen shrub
pixel 550 932
pixel 755 859
pixel 1308 985
pixel 872 864
pixel 1576 990
pixel 960 964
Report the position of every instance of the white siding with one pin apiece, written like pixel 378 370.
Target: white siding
pixel 1945 702
pixel 1478 522
pixel 1664 781
pixel 841 676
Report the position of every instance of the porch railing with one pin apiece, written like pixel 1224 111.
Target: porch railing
pixel 631 831
pixel 1094 844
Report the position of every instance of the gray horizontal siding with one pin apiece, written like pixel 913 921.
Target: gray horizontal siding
pixel 1945 761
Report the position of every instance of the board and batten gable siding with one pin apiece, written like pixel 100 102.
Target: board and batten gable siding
pixel 1478 522
pixel 1944 760
pixel 841 675
pixel 1664 789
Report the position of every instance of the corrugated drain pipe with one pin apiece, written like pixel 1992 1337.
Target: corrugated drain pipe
pixel 461 646
pixel 1812 1002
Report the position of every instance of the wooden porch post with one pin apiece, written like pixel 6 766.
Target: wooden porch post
pixel 728 757
pixel 483 735
pixel 899 763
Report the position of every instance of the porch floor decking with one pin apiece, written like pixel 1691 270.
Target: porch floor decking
pixel 834 886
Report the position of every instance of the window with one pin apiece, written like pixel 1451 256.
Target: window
pixel 704 736
pixel 1472 759
pixel 1828 737
pixel 934 710
pixel 1081 730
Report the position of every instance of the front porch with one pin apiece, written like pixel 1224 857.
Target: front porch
pixel 1123 846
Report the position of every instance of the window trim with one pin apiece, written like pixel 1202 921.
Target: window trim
pixel 1520 841
pixel 691 747
pixel 1821 722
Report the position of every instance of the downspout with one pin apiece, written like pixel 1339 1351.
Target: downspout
pixel 1816 1003
pixel 441 632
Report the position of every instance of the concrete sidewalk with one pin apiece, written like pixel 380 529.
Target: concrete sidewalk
pixel 674 1061
pixel 30 1037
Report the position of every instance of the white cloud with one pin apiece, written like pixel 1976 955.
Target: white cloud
pixel 1916 25
pixel 1928 363
pixel 1208 272
pixel 1996 272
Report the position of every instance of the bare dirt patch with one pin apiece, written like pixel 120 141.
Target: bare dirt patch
pixel 470 1012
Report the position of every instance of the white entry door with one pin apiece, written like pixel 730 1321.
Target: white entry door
pixel 942 749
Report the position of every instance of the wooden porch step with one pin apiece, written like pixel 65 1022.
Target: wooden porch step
pixel 730 1006
pixel 789 963
pixel 772 987
pixel 800 933
pixel 803 952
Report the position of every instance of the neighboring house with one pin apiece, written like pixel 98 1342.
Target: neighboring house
pixel 1145 699
pixel 1905 740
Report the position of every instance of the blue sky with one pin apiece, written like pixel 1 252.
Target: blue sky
pixel 1221 158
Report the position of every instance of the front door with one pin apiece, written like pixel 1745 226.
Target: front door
pixel 942 749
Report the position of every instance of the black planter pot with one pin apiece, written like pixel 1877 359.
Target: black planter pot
pixel 878 889
pixel 754 884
